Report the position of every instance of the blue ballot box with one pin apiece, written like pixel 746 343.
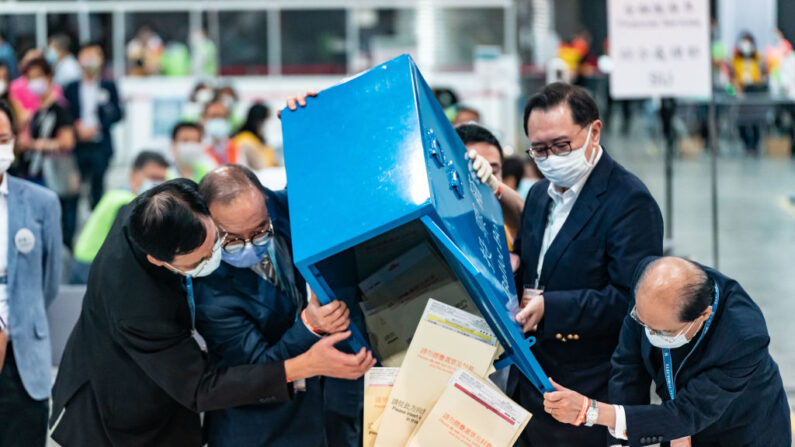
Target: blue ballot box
pixel 384 204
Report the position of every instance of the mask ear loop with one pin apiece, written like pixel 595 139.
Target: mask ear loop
pixel 588 141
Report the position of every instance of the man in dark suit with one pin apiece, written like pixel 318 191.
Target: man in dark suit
pixel 702 340
pixel 254 309
pixel 134 372
pixel 94 104
pixel 583 230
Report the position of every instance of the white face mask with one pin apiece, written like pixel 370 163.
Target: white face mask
pixel 206 267
pixel 38 86
pixel 6 156
pixel 228 101
pixel 51 55
pixel 566 170
pixel 147 184
pixel 217 128
pixel 204 96
pixel 189 153
pixel 3 87
pixel 664 342
pixel 746 47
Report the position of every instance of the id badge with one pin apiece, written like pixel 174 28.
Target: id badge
pixel 199 340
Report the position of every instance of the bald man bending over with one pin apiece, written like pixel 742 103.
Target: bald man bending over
pixel 703 341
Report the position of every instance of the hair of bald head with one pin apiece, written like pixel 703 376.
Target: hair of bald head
pixel 689 281
pixel 226 183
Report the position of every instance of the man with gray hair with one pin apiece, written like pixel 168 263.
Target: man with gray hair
pixel 702 340
pixel 256 308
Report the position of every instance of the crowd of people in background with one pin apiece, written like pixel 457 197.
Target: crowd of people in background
pixel 65 110
pixel 740 69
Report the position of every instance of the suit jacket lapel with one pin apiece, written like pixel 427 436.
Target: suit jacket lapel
pixel 584 207
pixel 16 218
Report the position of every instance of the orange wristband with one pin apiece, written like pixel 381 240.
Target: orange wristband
pixel 583 411
pixel 287 377
pixel 305 319
pixel 499 192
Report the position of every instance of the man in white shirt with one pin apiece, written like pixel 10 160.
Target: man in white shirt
pixel 582 232
pixel 30 271
pixel 94 103
pixel 59 55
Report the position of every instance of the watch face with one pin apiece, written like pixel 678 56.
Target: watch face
pixel 592 414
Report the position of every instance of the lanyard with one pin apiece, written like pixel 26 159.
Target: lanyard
pixel 191 302
pixel 670 378
pixel 192 307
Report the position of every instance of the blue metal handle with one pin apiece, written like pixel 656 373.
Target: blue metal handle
pixel 434 148
pixel 454 180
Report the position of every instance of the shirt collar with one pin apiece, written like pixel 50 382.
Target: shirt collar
pixel 4 185
pixel 575 190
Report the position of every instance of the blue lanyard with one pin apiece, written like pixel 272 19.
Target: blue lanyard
pixel 191 303
pixel 670 377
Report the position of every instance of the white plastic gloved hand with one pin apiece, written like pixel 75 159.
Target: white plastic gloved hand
pixel 483 170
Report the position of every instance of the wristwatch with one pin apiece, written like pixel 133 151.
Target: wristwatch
pixel 592 414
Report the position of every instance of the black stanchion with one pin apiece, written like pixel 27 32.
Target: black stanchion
pixel 713 146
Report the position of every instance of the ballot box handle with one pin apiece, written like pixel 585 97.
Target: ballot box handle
pixel 434 148
pixel 325 294
pixel 454 180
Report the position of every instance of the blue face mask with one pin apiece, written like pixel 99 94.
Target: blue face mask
pixel 247 257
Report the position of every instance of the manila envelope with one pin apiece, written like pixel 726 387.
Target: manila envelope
pixel 377 386
pixel 391 327
pixel 471 413
pixel 446 340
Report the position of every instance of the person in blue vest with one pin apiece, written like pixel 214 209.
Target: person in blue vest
pixel 703 342
pixel 256 308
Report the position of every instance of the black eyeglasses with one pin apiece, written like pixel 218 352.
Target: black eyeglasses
pixel 260 238
pixel 559 148
pixel 541 151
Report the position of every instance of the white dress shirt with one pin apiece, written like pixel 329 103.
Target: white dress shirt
pixel 562 204
pixel 4 251
pixel 620 430
pixel 67 70
pixel 89 104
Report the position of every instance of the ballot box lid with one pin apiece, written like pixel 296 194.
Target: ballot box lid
pixel 376 152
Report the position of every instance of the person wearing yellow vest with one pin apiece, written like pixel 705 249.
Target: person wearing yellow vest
pixel 149 170
pixel 250 139
pixel 749 77
pixel 219 147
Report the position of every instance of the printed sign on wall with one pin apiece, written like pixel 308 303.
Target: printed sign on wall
pixel 659 48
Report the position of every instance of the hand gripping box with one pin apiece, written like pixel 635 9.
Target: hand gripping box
pixel 374 171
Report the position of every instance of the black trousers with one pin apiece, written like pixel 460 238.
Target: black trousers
pixel 23 420
pixel 69 219
pixel 92 161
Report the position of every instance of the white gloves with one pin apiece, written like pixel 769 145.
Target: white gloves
pixel 483 170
